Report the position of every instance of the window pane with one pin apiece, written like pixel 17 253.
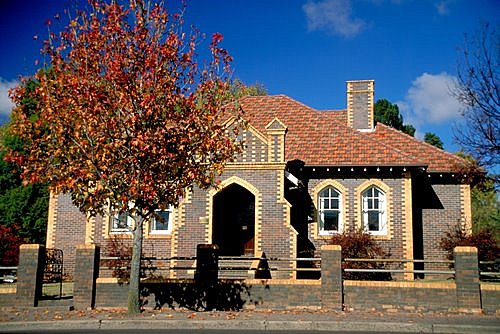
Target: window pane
pixel 326 204
pixel 161 223
pixel 373 221
pixel 335 204
pixel 120 221
pixel 376 203
pixel 331 220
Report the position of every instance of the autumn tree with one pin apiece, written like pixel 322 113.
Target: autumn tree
pixel 478 90
pixel 433 139
pixel 388 113
pixel 128 115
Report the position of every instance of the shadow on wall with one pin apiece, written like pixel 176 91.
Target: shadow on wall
pixel 222 296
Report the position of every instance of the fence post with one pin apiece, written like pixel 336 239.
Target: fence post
pixel 207 272
pixel 331 277
pixel 467 279
pixel 30 274
pixel 85 275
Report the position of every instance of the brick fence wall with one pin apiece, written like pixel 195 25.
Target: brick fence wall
pixel 465 294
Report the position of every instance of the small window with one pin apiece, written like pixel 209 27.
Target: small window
pixel 121 222
pixel 162 222
pixel 329 212
pixel 374 211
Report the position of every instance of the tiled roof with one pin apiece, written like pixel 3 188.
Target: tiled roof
pixel 323 138
pixel 436 159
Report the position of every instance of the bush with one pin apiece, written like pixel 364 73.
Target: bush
pixel 361 245
pixel 483 240
pixel 115 247
pixel 9 246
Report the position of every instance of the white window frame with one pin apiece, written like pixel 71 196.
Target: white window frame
pixel 381 209
pixel 322 209
pixel 117 217
pixel 154 221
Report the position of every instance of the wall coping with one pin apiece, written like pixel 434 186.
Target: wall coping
pixel 490 286
pixel 331 247
pixel 30 246
pixel 408 284
pixel 465 249
pixel 86 246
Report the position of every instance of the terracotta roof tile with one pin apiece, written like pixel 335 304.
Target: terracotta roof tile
pixel 323 138
pixel 438 160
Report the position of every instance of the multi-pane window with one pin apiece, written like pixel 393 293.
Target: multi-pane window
pixel 121 222
pixel 374 211
pixel 329 211
pixel 162 222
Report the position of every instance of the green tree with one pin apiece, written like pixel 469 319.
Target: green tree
pixel 484 197
pixel 128 117
pixel 388 113
pixel 485 208
pixel 239 89
pixel 24 207
pixel 433 139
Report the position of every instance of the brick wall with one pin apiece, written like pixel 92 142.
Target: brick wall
pixel 69 230
pixel 436 221
pixel 413 296
pixel 393 243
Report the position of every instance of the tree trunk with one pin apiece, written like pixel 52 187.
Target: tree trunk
pixel 135 268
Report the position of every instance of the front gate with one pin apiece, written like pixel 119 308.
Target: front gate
pixel 53 269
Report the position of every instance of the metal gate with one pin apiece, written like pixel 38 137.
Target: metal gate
pixel 53 269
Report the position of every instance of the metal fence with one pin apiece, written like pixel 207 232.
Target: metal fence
pixel 8 274
pixel 302 267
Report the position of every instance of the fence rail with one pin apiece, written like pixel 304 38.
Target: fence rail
pixel 8 274
pixel 305 264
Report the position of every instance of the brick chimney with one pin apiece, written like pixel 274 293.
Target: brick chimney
pixel 360 104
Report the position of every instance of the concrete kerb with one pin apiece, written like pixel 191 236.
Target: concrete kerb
pixel 266 325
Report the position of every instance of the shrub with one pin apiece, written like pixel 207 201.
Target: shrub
pixel 9 245
pixel 483 240
pixel 360 245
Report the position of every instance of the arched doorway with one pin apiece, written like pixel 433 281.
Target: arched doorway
pixel 234 221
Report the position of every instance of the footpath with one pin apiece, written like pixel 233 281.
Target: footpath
pixel 15 319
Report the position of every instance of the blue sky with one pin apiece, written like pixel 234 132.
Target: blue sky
pixel 307 49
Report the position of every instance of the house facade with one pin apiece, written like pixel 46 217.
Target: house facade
pixel 303 176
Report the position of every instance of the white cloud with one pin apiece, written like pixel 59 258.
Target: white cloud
pixel 443 7
pixel 428 101
pixel 334 16
pixel 6 104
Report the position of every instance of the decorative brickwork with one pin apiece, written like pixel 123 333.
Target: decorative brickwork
pixel 340 148
pixel 345 217
pixel 360 104
pixel 407 224
pixel 465 201
pixel 388 206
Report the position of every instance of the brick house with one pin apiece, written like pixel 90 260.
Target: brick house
pixel 304 175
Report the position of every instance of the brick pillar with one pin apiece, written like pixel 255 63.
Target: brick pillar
pixel 207 271
pixel 331 277
pixel 85 276
pixel 30 274
pixel 467 278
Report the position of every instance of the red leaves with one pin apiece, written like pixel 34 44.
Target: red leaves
pixel 217 38
pixel 125 113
